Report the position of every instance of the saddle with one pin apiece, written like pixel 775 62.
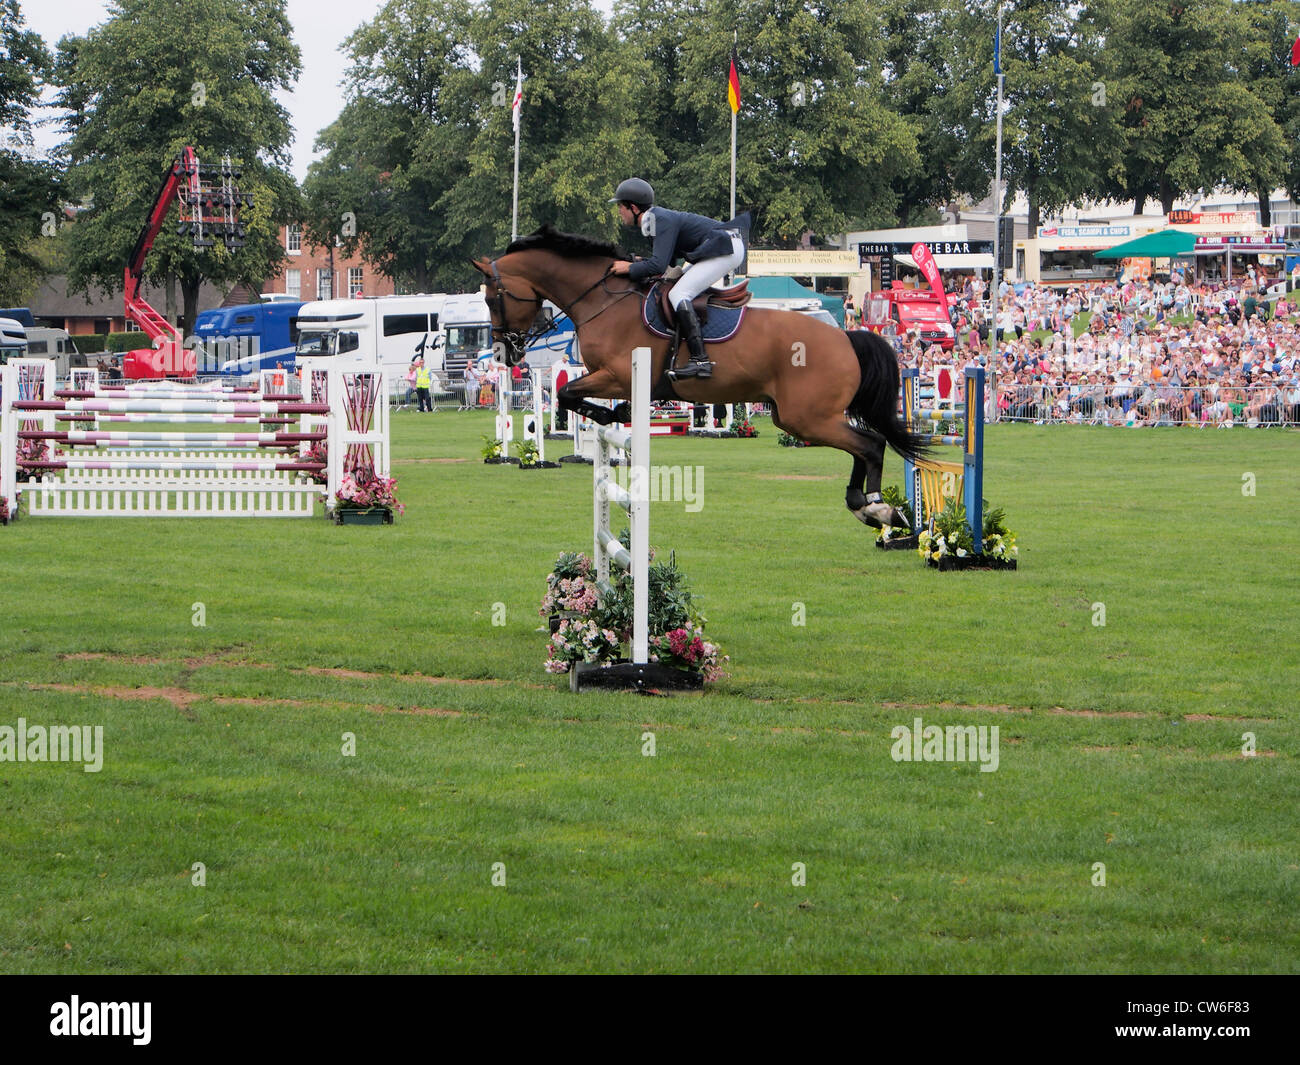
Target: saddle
pixel 731 299
pixel 728 311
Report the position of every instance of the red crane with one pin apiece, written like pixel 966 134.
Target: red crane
pixel 206 208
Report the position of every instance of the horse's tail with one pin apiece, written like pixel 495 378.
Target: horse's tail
pixel 876 401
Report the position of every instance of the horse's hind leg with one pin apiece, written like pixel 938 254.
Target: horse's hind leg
pixel 862 496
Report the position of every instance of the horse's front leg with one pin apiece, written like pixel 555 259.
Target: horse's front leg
pixel 601 384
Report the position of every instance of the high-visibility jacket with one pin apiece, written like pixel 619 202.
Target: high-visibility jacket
pixel 422 377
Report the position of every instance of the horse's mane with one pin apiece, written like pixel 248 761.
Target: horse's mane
pixel 569 245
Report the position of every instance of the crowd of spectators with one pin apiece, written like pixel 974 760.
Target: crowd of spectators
pixel 1152 353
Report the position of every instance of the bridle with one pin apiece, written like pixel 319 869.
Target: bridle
pixel 515 340
pixel 518 340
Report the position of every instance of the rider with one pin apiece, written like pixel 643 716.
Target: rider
pixel 711 249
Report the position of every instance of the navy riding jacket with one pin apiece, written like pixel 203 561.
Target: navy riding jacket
pixel 682 235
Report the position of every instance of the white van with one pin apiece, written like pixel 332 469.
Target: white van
pixel 54 344
pixel 390 331
pixel 13 340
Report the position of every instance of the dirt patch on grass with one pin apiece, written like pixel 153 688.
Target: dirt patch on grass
pixel 1002 708
pixel 427 462
pixel 104 656
pixel 333 704
pixel 1239 757
pixel 230 656
pixel 992 708
pixel 1221 717
pixel 178 697
pixel 358 674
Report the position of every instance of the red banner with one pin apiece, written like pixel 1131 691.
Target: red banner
pixel 930 271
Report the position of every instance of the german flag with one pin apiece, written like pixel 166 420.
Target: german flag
pixel 733 84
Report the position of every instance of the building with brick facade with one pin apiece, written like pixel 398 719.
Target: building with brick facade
pixel 313 273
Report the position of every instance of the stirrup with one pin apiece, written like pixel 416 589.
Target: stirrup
pixel 694 368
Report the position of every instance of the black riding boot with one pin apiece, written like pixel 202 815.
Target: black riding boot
pixel 699 366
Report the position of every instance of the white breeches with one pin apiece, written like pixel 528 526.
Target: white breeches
pixel 701 275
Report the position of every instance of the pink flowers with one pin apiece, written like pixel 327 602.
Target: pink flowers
pixel 361 489
pixel 686 647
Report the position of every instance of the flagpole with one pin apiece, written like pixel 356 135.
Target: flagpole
pixel 735 38
pixel 997 195
pixel 515 108
pixel 733 164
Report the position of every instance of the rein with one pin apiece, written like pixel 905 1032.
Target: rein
pixel 521 339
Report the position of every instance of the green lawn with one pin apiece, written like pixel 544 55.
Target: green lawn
pixel 1119 743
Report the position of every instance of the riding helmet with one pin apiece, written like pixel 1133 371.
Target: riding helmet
pixel 636 191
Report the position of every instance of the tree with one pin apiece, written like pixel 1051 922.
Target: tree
pixel 397 148
pixel 1267 69
pixel 1192 117
pixel 157 76
pixel 818 146
pixel 1061 134
pixel 938 77
pixel 423 151
pixel 28 186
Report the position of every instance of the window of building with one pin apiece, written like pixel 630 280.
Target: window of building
pixel 293 283
pixel 293 238
pixel 324 285
pixel 354 280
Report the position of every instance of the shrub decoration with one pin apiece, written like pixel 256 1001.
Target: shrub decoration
pixel 492 452
pixel 789 440
pixel 948 537
pixel 592 624
pixel 741 425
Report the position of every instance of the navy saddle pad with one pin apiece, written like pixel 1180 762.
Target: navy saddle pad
pixel 721 325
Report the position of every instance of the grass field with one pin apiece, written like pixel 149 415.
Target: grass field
pixel 223 743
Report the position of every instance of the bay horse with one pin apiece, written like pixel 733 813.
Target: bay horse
pixel 823 385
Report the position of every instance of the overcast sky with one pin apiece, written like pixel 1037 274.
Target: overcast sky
pixel 319 27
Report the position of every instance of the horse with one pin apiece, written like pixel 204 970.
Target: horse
pixel 824 385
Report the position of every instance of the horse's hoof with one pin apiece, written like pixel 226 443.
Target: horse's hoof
pixel 622 412
pixel 878 515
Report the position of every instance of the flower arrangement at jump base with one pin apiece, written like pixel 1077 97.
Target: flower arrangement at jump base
pixel 530 457
pixel 591 625
pixel 31 451
pixel 318 452
pixel 5 516
pixel 741 425
pixel 947 543
pixel 890 538
pixel 789 440
pixel 492 452
pixel 366 498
